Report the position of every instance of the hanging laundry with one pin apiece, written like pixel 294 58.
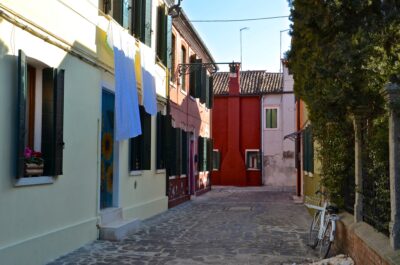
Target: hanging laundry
pixel 127 113
pixel 148 81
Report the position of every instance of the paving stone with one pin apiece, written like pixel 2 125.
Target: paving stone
pixel 224 226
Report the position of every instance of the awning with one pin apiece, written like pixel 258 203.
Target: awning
pixel 293 136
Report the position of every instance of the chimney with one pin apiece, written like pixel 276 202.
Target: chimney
pixel 233 169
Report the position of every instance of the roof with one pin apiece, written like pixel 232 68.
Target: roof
pixel 251 82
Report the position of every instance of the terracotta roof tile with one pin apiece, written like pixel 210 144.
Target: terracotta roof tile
pixel 251 82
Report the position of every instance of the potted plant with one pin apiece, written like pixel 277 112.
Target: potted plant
pixel 34 162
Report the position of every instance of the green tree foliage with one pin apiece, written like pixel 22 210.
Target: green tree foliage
pixel 343 53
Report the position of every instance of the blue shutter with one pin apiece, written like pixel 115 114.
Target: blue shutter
pixel 21 114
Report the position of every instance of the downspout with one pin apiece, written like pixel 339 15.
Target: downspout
pixel 262 139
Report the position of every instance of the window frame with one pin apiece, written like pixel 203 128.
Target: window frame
pixel 219 160
pixel 183 78
pixel 277 118
pixel 247 151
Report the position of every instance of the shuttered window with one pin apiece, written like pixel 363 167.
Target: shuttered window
pixel 140 146
pixel 134 15
pixel 308 150
pixel 195 77
pixel 216 158
pixel 271 118
pixel 164 36
pixel 161 141
pixel 210 93
pixel 205 147
pixel 52 142
pixel 184 152
pixel 204 85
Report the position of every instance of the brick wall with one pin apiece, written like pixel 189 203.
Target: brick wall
pixel 363 243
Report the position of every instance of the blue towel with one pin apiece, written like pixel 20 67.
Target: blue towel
pixel 147 58
pixel 127 113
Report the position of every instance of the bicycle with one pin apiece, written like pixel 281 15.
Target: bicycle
pixel 323 225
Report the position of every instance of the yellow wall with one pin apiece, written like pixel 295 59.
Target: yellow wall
pixel 39 223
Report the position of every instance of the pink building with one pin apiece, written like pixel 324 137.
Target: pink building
pixel 190 100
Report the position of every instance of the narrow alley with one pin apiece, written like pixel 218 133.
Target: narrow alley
pixel 225 226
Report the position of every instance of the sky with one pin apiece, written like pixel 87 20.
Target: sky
pixel 260 43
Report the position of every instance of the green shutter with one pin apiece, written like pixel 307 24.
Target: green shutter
pixel 210 154
pixel 168 144
pixel 210 93
pixel 118 11
pixel 59 122
pixel 135 162
pixel 205 154
pixel 169 43
pixel 21 113
pixel 146 144
pixel 48 121
pixel 200 155
pixel 184 152
pixel 160 157
pixel 204 85
pixel 147 23
pixel 178 150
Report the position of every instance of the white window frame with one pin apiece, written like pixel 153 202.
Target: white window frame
pixel 265 118
pixel 259 154
pixel 216 169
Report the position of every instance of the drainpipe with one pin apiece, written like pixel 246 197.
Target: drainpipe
pixel 262 139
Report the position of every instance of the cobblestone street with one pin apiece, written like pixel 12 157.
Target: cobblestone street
pixel 224 226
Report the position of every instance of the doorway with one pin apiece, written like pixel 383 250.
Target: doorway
pixel 107 149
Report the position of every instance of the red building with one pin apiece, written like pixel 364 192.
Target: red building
pixel 237 125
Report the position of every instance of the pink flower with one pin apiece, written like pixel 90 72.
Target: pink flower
pixel 28 152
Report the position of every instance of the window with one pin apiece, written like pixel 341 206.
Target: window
pixel 40 120
pixel 195 77
pixel 253 159
pixel 140 146
pixel 216 158
pixel 308 150
pixel 271 118
pixel 164 36
pixel 134 15
pixel 184 152
pixel 183 61
pixel 205 147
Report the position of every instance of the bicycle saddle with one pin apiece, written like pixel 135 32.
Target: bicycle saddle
pixel 332 209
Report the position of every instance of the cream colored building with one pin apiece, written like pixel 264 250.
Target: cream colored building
pixel 47 215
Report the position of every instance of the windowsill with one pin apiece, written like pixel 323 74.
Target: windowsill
pixel 172 177
pixel 271 129
pixel 135 173
pixel 192 98
pixel 183 92
pixel 253 169
pixel 160 171
pixel 32 181
pixel 183 176
pixel 215 169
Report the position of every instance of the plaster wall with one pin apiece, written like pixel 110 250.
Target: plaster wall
pixel 278 154
pixel 41 222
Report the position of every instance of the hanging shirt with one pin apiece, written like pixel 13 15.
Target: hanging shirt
pixel 148 82
pixel 127 113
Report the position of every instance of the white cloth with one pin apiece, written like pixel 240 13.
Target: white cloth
pixel 127 113
pixel 147 58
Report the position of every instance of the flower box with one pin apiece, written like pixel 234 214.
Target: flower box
pixel 32 169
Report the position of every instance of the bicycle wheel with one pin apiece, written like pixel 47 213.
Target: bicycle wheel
pixel 314 229
pixel 325 243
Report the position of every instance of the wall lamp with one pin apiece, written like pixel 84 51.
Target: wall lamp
pixel 175 10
